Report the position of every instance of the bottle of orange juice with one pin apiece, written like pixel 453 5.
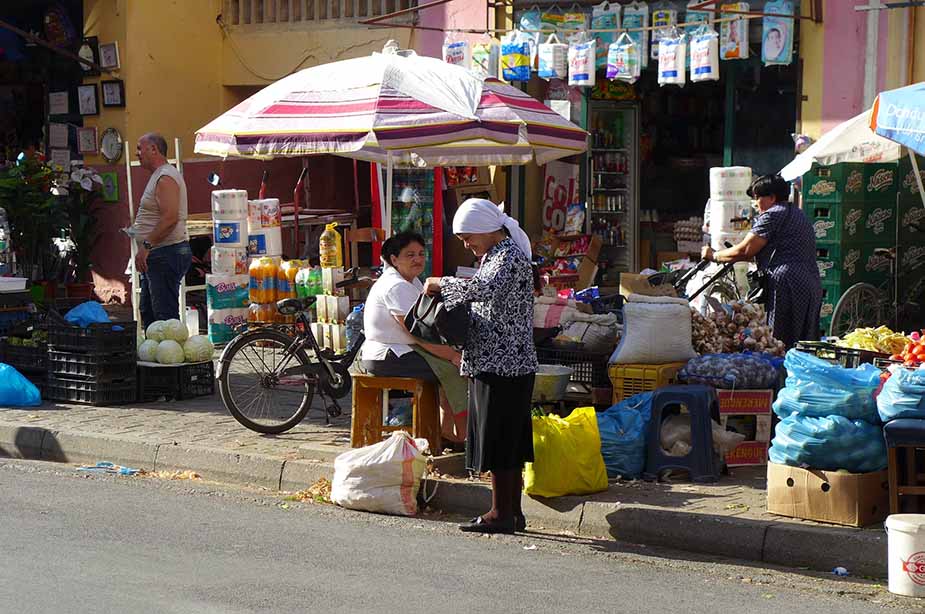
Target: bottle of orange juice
pixel 253 313
pixel 285 279
pixel 267 279
pixel 255 290
pixel 267 313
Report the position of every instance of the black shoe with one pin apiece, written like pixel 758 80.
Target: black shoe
pixel 480 525
pixel 520 523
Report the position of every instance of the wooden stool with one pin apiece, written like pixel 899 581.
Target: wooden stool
pixel 905 438
pixel 367 421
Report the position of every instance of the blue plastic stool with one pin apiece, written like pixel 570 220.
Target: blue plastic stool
pixel 702 463
pixel 905 438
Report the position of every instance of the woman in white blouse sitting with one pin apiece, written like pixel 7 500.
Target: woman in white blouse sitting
pixel 387 351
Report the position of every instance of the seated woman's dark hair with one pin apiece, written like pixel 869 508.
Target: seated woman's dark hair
pixel 770 185
pixel 394 244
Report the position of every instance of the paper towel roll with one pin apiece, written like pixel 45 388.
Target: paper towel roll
pixel 229 233
pixel 227 291
pixel 731 175
pixel 727 193
pixel 224 322
pixel 229 260
pixel 266 242
pixel 723 212
pixel 229 204
pixel 253 214
pixel 264 212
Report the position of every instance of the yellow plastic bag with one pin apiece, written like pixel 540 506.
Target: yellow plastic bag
pixel 567 454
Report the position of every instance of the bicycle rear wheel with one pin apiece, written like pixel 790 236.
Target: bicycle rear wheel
pixel 252 387
pixel 860 306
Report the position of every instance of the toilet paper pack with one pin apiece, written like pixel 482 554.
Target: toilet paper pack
pixel 228 260
pixel 223 324
pixel 227 291
pixel 229 204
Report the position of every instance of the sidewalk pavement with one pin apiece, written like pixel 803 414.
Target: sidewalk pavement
pixel 727 519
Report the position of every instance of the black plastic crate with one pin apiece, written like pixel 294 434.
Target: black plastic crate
pixel 177 382
pixel 95 367
pixel 25 358
pixel 40 380
pixel 10 318
pixel 109 338
pixel 847 357
pixel 89 392
pixel 589 368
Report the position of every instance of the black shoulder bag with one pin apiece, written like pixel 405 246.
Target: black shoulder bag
pixel 759 281
pixel 429 320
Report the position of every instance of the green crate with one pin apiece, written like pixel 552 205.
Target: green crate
pixel 831 292
pixel 911 212
pixel 912 260
pixel 912 287
pixel 836 222
pixel 874 268
pixel 839 263
pixel 907 186
pixel 879 223
pixel 851 182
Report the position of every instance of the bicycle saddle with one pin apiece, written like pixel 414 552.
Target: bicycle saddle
pixel 292 306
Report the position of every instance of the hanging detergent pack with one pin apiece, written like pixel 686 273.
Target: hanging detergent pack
pixel 575 23
pixel 456 52
pixel 486 57
pixel 662 20
pixel 694 18
pixel 705 55
pixel 623 59
pixel 515 57
pixel 531 23
pixel 553 59
pixel 733 35
pixel 604 16
pixel 636 16
pixel 777 34
pixel 581 71
pixel 672 61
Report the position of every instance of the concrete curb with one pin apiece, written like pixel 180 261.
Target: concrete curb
pixel 786 544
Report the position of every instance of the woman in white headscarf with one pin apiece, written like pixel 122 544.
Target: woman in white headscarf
pixel 499 356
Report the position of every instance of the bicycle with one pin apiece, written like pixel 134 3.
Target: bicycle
pixel 267 377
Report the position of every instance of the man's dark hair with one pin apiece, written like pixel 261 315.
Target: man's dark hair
pixel 158 141
pixel 393 245
pixel 770 185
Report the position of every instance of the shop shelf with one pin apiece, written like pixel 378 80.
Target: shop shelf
pixel 846 357
pixel 89 392
pixel 94 367
pixel 25 358
pixel 112 337
pixel 589 369
pixel 629 380
pixel 176 382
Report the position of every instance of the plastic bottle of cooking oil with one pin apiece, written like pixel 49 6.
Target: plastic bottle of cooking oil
pixel 329 248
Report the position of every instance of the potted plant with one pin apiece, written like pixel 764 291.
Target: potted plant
pixel 78 190
pixel 33 212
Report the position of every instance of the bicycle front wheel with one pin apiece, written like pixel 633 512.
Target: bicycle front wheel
pixel 255 387
pixel 861 306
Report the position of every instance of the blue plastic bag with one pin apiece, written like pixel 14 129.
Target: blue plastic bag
pixel 623 435
pixel 86 314
pixel 16 390
pixel 828 443
pixel 816 387
pixel 903 395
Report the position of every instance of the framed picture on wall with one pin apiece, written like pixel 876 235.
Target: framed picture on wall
pixel 109 55
pixel 86 140
pixel 57 103
pixel 113 93
pixel 88 99
pixel 89 50
pixel 110 189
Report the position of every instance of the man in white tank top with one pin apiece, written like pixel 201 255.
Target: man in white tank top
pixel 164 255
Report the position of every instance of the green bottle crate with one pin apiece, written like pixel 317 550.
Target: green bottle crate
pixel 851 182
pixel 874 268
pixel 907 186
pixel 836 222
pixel 839 263
pixel 911 213
pixel 879 223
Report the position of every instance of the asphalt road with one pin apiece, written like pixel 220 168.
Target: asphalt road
pixel 73 542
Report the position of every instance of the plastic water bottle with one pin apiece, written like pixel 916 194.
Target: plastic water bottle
pixel 354 326
pixel 5 247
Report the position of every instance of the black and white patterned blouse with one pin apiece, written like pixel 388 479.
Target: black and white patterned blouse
pixel 501 297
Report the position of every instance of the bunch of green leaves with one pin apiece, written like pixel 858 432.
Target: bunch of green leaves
pixel 34 213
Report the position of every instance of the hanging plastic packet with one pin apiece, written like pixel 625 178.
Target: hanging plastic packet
pixel 456 51
pixel 693 18
pixel 662 20
pixel 777 34
pixel 604 16
pixel 531 23
pixel 623 61
pixel 672 59
pixel 704 44
pixel 486 55
pixel 552 21
pixel 575 23
pixel 581 58
pixel 733 36
pixel 515 57
pixel 635 16
pixel 553 59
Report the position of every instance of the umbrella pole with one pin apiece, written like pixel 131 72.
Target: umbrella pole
pixel 387 222
pixel 918 177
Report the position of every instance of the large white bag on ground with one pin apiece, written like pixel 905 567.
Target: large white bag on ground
pixel 384 477
pixel 656 330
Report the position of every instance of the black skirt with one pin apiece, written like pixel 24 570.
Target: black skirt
pixel 500 427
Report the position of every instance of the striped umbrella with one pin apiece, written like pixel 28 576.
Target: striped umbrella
pixel 393 108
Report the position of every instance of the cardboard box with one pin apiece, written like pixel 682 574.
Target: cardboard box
pixel 337 308
pixel 338 338
pixel 329 280
pixel 321 310
pixel 318 332
pixel 747 412
pixel 745 401
pixel 853 499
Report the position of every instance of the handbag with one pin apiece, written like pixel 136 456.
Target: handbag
pixel 759 282
pixel 430 320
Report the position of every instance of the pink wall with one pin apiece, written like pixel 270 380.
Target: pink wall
pixel 843 66
pixel 454 14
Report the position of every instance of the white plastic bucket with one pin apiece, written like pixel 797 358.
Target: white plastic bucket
pixel 551 383
pixel 906 553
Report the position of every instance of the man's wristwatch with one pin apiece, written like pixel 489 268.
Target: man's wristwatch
pixel 146 244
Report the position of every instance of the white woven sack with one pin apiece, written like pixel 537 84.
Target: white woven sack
pixel 656 330
pixel 384 477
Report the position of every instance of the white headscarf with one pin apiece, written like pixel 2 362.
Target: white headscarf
pixel 477 215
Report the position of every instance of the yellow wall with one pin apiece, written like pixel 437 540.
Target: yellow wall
pixel 105 19
pixel 811 54
pixel 918 56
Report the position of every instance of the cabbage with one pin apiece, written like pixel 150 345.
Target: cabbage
pixel 176 330
pixel 169 352
pixel 198 348
pixel 147 351
pixel 156 330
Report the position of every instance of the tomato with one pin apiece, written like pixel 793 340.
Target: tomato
pixel 911 363
pixel 919 351
pixel 897 357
